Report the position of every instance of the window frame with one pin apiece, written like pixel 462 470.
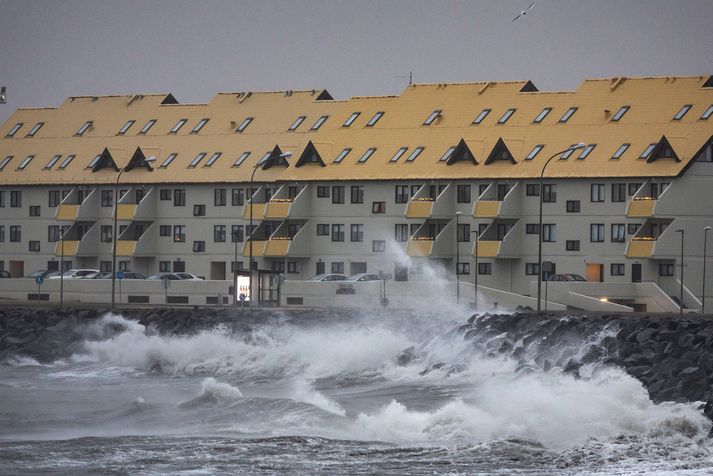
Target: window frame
pixel 535 151
pixel 350 120
pixel 646 153
pixel 586 151
pixel 167 161
pixel 414 154
pixel 342 155
pixel 366 155
pixel 620 113
pixel 200 125
pixel 5 161
pixel 244 124
pixel 568 115
pixel 241 159
pixel 55 158
pixel 197 160
pixel 399 153
pixel 213 158
pixel 319 123
pixel 542 115
pixel 177 127
pixel 707 113
pixel 25 162
pixel 35 129
pixel 125 128
pixel 447 154
pixel 375 118
pixel 682 112
pixel 15 129
pixel 432 117
pixel 67 160
pixel 481 116
pixel 620 151
pixel 147 127
pixel 507 115
pixel 297 123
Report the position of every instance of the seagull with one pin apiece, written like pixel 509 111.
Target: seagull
pixel 524 12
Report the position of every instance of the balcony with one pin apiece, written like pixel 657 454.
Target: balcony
pixel 431 200
pixel 258 248
pixel 640 248
pixel 277 209
pixel 488 248
pixel 501 239
pixel 653 240
pixel 138 239
pixel 435 238
pixel 641 207
pixel 498 200
pixel 67 211
pixel 419 208
pixel 137 203
pixel 81 239
pixel 70 248
pixel 487 209
pixel 420 247
pixel 126 247
pixel 258 211
pixel 79 204
pixel 287 239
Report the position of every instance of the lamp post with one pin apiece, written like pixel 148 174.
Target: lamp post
pixel 539 226
pixel 234 234
pixel 458 214
pixel 284 155
pixel 680 297
pixel 703 290
pixel 475 275
pixel 61 268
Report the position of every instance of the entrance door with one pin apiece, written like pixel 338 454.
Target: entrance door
pixel 635 272
pixel 217 270
pixel 595 272
pixel 400 272
pixel 17 269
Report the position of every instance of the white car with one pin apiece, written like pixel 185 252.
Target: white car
pixel 75 274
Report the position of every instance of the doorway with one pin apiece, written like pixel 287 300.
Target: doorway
pixel 595 272
pixel 635 272
pixel 217 270
pixel 17 269
pixel 400 272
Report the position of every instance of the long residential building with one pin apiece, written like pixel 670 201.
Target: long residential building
pixel 399 184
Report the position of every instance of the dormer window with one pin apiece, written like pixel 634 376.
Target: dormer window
pixel 168 160
pixel 351 119
pixel 434 115
pixel 542 115
pixel 342 155
pixel 84 128
pixel 244 125
pixel 147 126
pixel 480 117
pixel 178 126
pixel 620 113
pixel 567 114
pixel 35 129
pixel 567 152
pixel 586 151
pixel 197 160
pixel 318 124
pixel 620 151
pixel 398 154
pixel 447 154
pixel 375 119
pixel 52 161
pixel 647 151
pixel 5 161
pixel 707 113
pixel 504 118
pixel 369 152
pixel 682 112
pixel 212 159
pixel 239 161
pixel 535 150
pixel 125 127
pixel 14 129
pixel 93 162
pixel 297 123
pixel 199 126
pixel 25 162
pixel 416 152
pixel 67 160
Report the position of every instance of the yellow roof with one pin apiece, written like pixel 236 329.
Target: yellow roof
pixel 653 103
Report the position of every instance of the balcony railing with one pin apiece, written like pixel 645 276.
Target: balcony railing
pixel 641 207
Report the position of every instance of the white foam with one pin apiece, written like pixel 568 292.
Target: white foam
pixel 214 390
pixel 303 391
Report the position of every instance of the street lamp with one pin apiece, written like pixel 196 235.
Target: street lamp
pixel 680 297
pixel 703 293
pixel 539 227
pixel 458 214
pixel 263 162
pixel 475 276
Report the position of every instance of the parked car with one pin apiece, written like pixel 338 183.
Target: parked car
pixel 5 274
pixel 75 273
pixel 169 276
pixel 107 275
pixel 40 272
pixel 188 276
pixel 329 277
pixel 363 277
pixel 566 277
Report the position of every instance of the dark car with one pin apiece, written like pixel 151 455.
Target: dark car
pixel 566 277
pixel 5 274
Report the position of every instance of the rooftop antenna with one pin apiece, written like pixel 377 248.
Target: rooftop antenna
pixel 3 96
pixel 410 77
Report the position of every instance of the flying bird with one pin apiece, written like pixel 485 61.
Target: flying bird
pixel 524 12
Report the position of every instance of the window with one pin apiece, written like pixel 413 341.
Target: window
pixel 447 154
pixel 164 266
pixel 237 197
pixel 434 115
pixel 147 126
pixel 633 188
pixel 318 124
pixel 342 155
pixel 35 129
pixel 617 233
pixel 179 233
pixel 620 113
pixel 366 155
pixel 198 246
pixel 666 269
pixel 463 268
pixel 597 194
pixel 338 194
pixel 219 197
pixel 15 233
pixel 198 210
pixel 483 114
pixel 199 126
pixel 164 230
pixel 401 232
pixel 531 269
pixel 504 118
pixel 463 193
pixel 503 190
pixel 107 198
pixel 378 246
pixel 164 194
pixel 93 162
pixel 34 210
pixel 617 269
pixel 568 152
pixel 337 232
pixel 549 233
pixel 572 245
pixel 322 191
pixel 105 233
pixel 297 123
pixel 463 233
pixel 682 112
pixel 357 233
pixel 416 152
pixel 618 192
pixel 485 268
pixel 238 162
pixel 168 160
pixel 53 198
pixel 632 228
pixel 532 228
pixel 34 246
pixel 53 233
pixel 707 113
pixel 568 114
pixel 357 194
pixel 414 227
pixel 14 129
pixel 125 127
pixel 2 233
pixel 647 151
pixel 596 232
pixel 2 198
pixel 219 233
pixel 66 162
pixel 402 194
pixel 322 229
pixel 378 207
pixel 244 125
pixel 573 206
pixel 398 154
pixel 5 161
pixel 535 150
pixel 25 162
pixel 179 197
pixel 532 190
pixel 375 118
pixel 52 161
pixel 212 159
pixel 15 198
pixel 178 126
pixel 620 151
pixel 338 267
pixel 84 128
pixel 196 160
pixel 586 151
pixel 351 119
pixel 542 115
pixel 549 193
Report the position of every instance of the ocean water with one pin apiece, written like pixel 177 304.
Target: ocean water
pixel 331 398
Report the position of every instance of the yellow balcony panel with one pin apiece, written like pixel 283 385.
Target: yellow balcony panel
pixel 487 209
pixel 70 248
pixel 125 247
pixel 67 212
pixel 640 249
pixel 126 211
pixel 419 248
pixel 419 209
pixel 277 210
pixel 258 248
pixel 488 249
pixel 277 247
pixel 641 208
pixel 258 211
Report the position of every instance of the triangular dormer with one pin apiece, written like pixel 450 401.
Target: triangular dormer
pixel 138 160
pixel 105 161
pixel 324 96
pixel 708 83
pixel 529 88
pixel 310 156
pixel 169 99
pixel 500 153
pixel 462 153
pixel 275 159
pixel 663 150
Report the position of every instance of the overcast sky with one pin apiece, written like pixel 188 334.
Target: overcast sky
pixel 50 50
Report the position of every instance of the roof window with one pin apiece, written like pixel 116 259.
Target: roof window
pixel 504 118
pixel 168 160
pixel 374 119
pixel 568 152
pixel 567 114
pixel 707 113
pixel 318 124
pixel 66 162
pixel 244 125
pixel 35 129
pixel 5 161
pixel 52 161
pixel 147 126
pixel 25 162
pixel 126 127
pixel 416 152
pixel 178 126
pixel 535 150
pixel 369 152
pixel 239 161
pixel 483 114
pixel 351 119
pixel 542 115
pixel 93 162
pixel 398 154
pixel 447 154
pixel 682 112
pixel 342 155
pixel 647 151
pixel 84 128
pixel 14 129
pixel 586 151
pixel 199 126
pixel 434 115
pixel 620 113
pixel 212 159
pixel 620 151
pixel 197 160
pixel 297 123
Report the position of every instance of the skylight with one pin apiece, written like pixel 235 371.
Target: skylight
pixel 542 115
pixel 483 114
pixel 94 161
pixel 66 162
pixel 84 128
pixel 567 114
pixel 264 157
pixel 52 161
pixel 374 119
pixel 434 115
pixel 647 151
pixel 535 150
pixel 212 159
pixel 586 151
pixel 707 113
pixel 168 160
pixel 416 152
pixel 297 123
pixel 398 154
pixel 319 123
pixel 147 126
pixel 506 116
pixel 5 161
pixel 35 129
pixel 679 115
pixel 14 129
pixel 620 113
pixel 351 119
pixel 197 160
pixel 238 162
pixel 126 127
pixel 620 151
pixel 342 155
pixel 199 126
pixel 369 152
pixel 25 162
pixel 568 152
pixel 244 125
pixel 178 126
pixel 447 154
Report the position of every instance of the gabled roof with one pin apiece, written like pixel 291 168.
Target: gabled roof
pixel 275 159
pixel 310 155
pixel 138 160
pixel 663 149
pixel 462 153
pixel 105 161
pixel 500 152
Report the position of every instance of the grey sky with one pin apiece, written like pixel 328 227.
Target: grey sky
pixel 53 49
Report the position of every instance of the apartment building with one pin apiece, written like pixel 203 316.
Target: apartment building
pixel 401 184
